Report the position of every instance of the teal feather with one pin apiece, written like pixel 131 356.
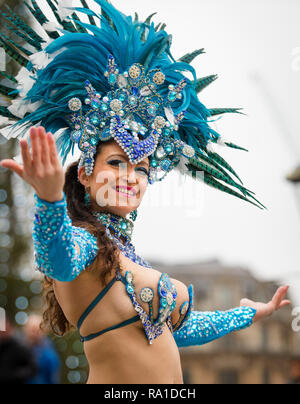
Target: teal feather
pixel 8 76
pixel 218 163
pixel 189 57
pixel 13 53
pixel 19 47
pixel 39 15
pixel 220 111
pixel 217 174
pixel 54 11
pixel 78 27
pixel 148 19
pixel 234 146
pixel 5 112
pixel 26 38
pixel 215 156
pixel 68 26
pixel 6 91
pixel 91 19
pixel 146 23
pixel 25 27
pixel 29 7
pixel 217 185
pixel 163 27
pixel 107 17
pixel 205 82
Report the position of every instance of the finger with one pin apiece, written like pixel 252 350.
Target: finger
pixel 53 150
pixel 36 148
pixel 284 303
pixel 279 295
pixel 12 165
pixel 44 146
pixel 26 156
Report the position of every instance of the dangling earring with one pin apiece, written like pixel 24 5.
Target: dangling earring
pixel 133 215
pixel 87 198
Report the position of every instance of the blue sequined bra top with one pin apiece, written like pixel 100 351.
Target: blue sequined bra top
pixel 63 251
pixel 153 327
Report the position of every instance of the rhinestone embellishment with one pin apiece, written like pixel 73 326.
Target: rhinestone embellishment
pixel 146 295
pixel 159 78
pixel 75 104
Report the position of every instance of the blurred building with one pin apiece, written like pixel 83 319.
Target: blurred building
pixel 261 354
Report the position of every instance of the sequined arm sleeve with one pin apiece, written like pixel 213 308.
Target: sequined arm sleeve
pixel 55 239
pixel 204 327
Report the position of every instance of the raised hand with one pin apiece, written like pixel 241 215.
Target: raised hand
pixel 267 309
pixel 41 168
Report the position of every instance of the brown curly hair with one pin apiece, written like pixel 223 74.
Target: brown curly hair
pixel 53 317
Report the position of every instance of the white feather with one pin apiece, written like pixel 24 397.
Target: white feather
pixel 18 158
pixel 19 131
pixel 210 148
pixel 26 80
pixel 51 26
pixel 221 141
pixel 47 43
pixel 170 115
pixel 62 10
pixel 4 121
pixel 40 60
pixel 18 107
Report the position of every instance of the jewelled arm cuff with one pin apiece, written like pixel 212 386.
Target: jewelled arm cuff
pixel 204 327
pixel 54 240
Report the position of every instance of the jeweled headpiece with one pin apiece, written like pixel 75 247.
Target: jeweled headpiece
pixel 117 79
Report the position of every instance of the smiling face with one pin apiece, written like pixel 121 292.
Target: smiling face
pixel 116 185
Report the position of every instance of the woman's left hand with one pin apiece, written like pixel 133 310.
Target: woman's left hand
pixel 264 310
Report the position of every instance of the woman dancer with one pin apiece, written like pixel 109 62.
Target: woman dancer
pixel 135 118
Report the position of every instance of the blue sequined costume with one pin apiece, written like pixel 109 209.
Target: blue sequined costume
pixel 56 256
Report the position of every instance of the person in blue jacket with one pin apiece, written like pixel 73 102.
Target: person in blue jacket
pixel 46 358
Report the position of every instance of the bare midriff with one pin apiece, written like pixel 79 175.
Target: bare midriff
pixel 124 355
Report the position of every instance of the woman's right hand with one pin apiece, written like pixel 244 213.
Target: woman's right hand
pixel 41 168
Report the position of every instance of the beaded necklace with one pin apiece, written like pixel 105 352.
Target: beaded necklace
pixel 117 227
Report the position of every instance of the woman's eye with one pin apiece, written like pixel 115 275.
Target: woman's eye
pixel 117 162
pixel 143 170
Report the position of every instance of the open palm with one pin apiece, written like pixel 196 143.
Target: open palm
pixel 41 168
pixel 264 310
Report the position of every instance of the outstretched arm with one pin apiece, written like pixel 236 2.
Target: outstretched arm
pixel 62 251
pixel 203 327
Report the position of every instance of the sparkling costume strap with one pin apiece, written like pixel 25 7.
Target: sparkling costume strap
pixel 204 327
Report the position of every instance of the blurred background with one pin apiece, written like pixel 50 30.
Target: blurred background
pixel 227 248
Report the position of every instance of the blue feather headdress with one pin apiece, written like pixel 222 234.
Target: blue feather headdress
pixel 114 78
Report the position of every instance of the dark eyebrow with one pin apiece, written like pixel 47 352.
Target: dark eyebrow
pixel 126 157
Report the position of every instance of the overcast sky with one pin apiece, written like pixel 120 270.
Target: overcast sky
pixel 254 47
